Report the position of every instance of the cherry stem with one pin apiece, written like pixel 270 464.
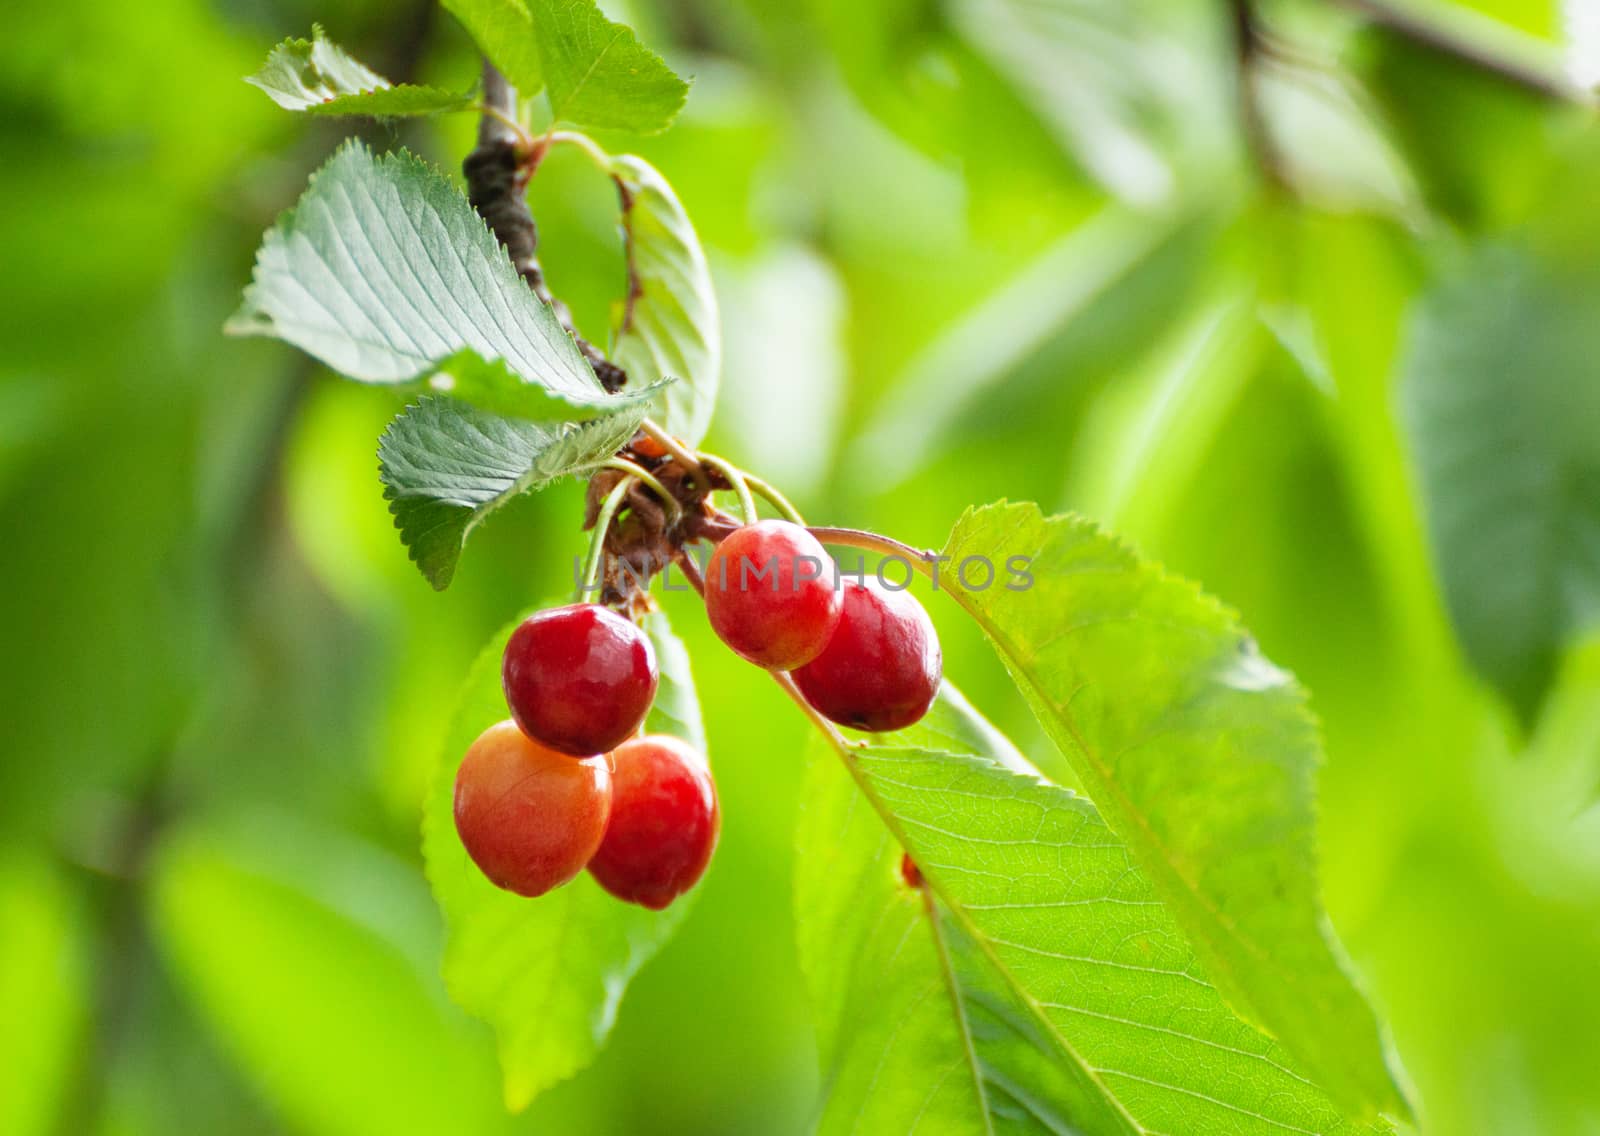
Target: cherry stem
pixel 667 442
pixel 921 558
pixel 633 469
pixel 602 525
pixel 736 478
pixel 583 142
pixel 778 500
pixel 523 137
pixel 829 730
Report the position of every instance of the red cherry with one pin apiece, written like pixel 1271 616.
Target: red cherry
pixel 529 817
pixel 881 669
pixel 579 679
pixel 664 822
pixel 771 594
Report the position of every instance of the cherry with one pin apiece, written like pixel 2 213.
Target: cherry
pixel 664 822
pixel 881 669
pixel 530 817
pixel 579 679
pixel 771 594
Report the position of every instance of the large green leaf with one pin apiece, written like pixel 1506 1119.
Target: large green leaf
pixel 598 75
pixel 1040 986
pixel 309 955
pixel 446 466
pixel 1201 755
pixel 917 1030
pixel 1502 396
pixel 318 76
pixel 503 30
pixel 549 973
pixel 383 267
pixel 669 324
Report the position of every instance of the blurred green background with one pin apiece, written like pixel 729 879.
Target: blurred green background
pixel 1314 322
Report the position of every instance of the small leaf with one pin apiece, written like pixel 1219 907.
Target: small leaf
pixel 1501 392
pixel 1040 986
pixel 489 384
pixel 1200 753
pixel 445 466
pixel 669 324
pixel 503 30
pixel 317 75
pixel 549 973
pixel 383 267
pixel 599 76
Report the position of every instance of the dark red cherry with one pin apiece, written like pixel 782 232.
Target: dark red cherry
pixel 664 822
pixel 530 817
pixel 772 594
pixel 881 669
pixel 579 679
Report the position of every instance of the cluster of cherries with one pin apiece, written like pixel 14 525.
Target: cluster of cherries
pixel 569 782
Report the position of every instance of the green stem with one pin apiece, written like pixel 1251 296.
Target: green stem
pixel 778 500
pixel 736 478
pixel 633 469
pixel 686 458
pixel 923 559
pixel 583 142
pixel 602 525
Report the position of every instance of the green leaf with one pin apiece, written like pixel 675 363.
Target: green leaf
pixel 1040 986
pixel 310 956
pixel 383 267
pixel 548 974
pixel 317 75
pixel 489 384
pixel 503 30
pixel 44 986
pixel 1501 394
pixel 1201 754
pixel 445 466
pixel 916 1030
pixel 598 75
pixel 669 324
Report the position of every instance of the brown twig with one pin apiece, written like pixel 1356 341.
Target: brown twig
pixel 497 173
pixel 1447 41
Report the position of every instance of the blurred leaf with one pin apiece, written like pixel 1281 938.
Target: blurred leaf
pixel 980 350
pixel 1201 753
pixel 317 75
pixel 503 30
pixel 1091 72
pixel 383 268
pixel 446 466
pixel 1045 989
pixel 1502 396
pixel 669 324
pixel 276 940
pixel 45 991
pixel 1474 141
pixel 548 974
pixel 599 76
pixel 488 384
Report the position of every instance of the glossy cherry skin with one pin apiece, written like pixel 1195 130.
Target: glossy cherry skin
pixel 579 679
pixel 664 822
pixel 530 817
pixel 881 669
pixel 772 594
